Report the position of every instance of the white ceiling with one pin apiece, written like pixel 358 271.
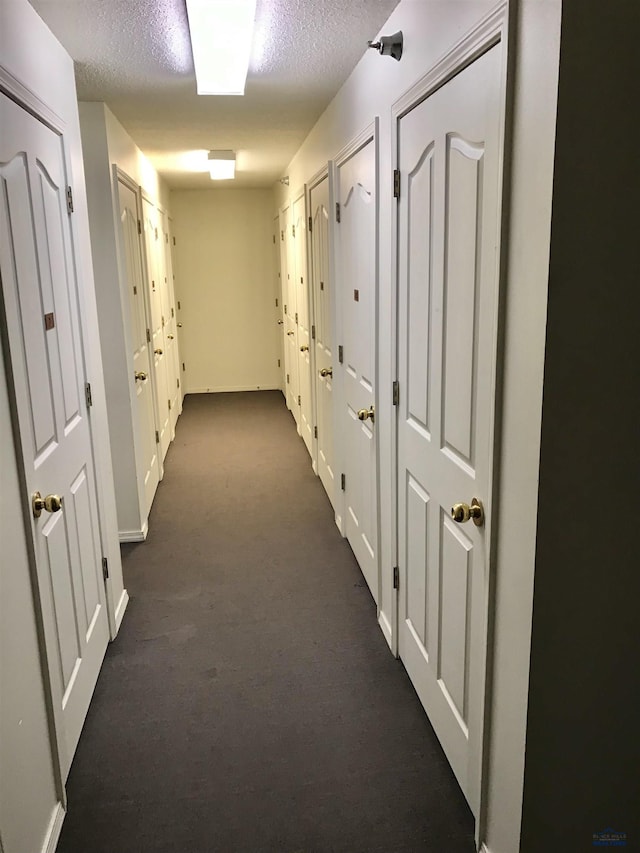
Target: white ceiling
pixel 136 56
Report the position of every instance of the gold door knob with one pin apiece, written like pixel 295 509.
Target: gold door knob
pixel 158 351
pixel 304 349
pixel 291 333
pixel 170 337
pixel 52 503
pixel 179 325
pixel 326 371
pixel 140 375
pixel 463 512
pixel 280 322
pixel 364 414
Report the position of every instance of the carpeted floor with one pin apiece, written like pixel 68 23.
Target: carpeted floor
pixel 250 703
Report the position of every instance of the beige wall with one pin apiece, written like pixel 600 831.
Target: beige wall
pixel 225 286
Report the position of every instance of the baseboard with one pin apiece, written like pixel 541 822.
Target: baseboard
pixel 385 627
pixel 122 606
pixel 134 535
pixel 55 828
pixel 224 389
pixel 314 467
pixel 339 525
pixel 484 849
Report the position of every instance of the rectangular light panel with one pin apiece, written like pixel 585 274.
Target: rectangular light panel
pixel 222 165
pixel 221 36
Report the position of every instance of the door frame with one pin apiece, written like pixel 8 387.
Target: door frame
pixel 492 30
pixel 371 133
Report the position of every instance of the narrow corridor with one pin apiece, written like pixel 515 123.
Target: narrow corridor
pixel 250 702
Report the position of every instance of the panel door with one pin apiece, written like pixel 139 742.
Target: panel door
pixel 155 290
pixel 277 298
pixel 303 322
pixel 172 331
pixel 356 255
pixel 290 328
pixel 324 355
pixel 147 458
pixel 169 314
pixel 449 153
pixel 41 299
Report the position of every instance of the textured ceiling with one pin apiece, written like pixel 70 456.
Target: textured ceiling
pixel 136 56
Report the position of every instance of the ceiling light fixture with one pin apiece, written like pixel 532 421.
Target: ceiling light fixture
pixel 221 34
pixel 222 165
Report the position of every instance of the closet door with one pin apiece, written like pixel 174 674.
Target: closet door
pixel 155 288
pixel 41 303
pixel 356 251
pixel 321 287
pixel 448 217
pixel 169 314
pixel 146 449
pixel 290 327
pixel 303 322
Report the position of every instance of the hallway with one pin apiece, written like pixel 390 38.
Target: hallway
pixel 250 702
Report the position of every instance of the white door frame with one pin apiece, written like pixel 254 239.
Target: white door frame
pixel 491 30
pixel 369 134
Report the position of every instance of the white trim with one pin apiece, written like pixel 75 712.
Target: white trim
pixel 224 389
pixel 28 100
pixel 134 535
pixel 365 136
pixel 55 828
pixel 385 627
pixel 120 609
pixel 318 177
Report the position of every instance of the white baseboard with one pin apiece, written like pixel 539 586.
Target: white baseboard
pixel 223 389
pixel 314 466
pixel 339 525
pixel 122 606
pixel 385 627
pixel 134 535
pixel 55 828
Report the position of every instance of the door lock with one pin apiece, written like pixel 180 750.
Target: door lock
pixel 304 348
pixel 280 322
pixel 52 503
pixel 158 351
pixel 291 333
pixel 170 337
pixel 140 376
pixel 463 512
pixel 326 371
pixel 370 414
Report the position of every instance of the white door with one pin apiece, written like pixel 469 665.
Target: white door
pixel 155 288
pixel 303 323
pixel 324 354
pixel 147 460
pixel 169 314
pixel 356 261
pixel 277 296
pixel 172 332
pixel 449 154
pixel 37 267
pixel 289 311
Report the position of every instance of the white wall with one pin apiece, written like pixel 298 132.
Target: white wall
pixel 225 284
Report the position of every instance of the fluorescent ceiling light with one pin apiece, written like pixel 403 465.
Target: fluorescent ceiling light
pixel 221 35
pixel 222 165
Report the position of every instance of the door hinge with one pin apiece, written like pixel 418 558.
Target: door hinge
pixel 396 577
pixel 166 238
pixel 310 225
pixel 299 400
pixel 105 568
pixel 396 183
pixel 173 313
pixel 313 333
pixel 287 378
pixel 87 394
pixel 139 227
pixel 282 236
pixel 296 316
pixel 343 481
pixel 396 393
pixel 315 432
pixel 69 200
pixel 156 233
pixel 177 383
pixel 274 239
pixel 148 336
pixel 174 241
pixel 285 309
pixel 293 230
pixel 276 303
pixel 183 367
pixel 337 211
pixel 278 362
pixel 135 290
pixel 157 437
pixel 340 353
pixel 169 404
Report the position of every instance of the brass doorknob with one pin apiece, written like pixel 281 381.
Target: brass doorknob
pixel 291 333
pixel 140 375
pixel 179 325
pixel 280 322
pixel 326 371
pixel 158 351
pixel 364 414
pixel 52 503
pixel 463 512
pixel 304 348
pixel 170 337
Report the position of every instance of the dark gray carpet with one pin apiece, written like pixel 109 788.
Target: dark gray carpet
pixel 250 703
